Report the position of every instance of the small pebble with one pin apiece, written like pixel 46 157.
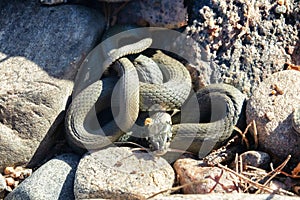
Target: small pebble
pixel 10 181
pixel 276 185
pixel 53 180
pixel 257 159
pixel 8 170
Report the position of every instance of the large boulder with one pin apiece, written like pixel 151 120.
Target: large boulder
pixel 41 49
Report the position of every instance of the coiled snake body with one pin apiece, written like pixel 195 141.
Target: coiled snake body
pixel 129 96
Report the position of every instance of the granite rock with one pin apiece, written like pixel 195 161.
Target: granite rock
pixel 41 49
pixel 2 183
pixel 207 179
pixel 271 107
pixel 244 42
pixel 121 173
pixel 53 180
pixel 154 13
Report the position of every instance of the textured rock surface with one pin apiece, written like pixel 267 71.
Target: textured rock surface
pixel 159 13
pixel 245 40
pixel 272 106
pixel 256 159
pixel 40 50
pixel 53 180
pixel 119 173
pixel 209 179
pixel 2 183
pixel 226 197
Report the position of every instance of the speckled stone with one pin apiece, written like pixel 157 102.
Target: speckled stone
pixel 2 183
pixel 245 42
pixel 256 159
pixel 272 106
pixel 158 13
pixel 120 173
pixel 53 180
pixel 209 179
pixel 40 52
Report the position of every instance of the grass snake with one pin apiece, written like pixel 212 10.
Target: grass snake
pixel 129 96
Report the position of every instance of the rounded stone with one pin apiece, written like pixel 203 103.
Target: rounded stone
pixel 121 173
pixel 256 159
pixel 271 107
pixel 2 183
pixel 53 180
pixel 207 180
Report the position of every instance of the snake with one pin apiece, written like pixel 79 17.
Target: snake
pixel 132 96
pixel 214 131
pixel 93 138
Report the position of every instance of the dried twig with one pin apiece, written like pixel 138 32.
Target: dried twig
pixel 255 134
pixel 295 172
pixel 176 188
pixel 289 175
pixel 276 171
pixel 260 186
pixel 243 134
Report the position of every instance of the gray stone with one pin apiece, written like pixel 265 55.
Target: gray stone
pixel 272 106
pixel 239 196
pixel 277 185
pixel 156 13
pixel 121 173
pixel 245 42
pixel 256 159
pixel 53 180
pixel 2 183
pixel 41 49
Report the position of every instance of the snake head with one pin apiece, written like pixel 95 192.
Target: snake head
pixel 159 131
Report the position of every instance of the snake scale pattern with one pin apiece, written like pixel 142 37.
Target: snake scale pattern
pixel 101 90
pixel 134 96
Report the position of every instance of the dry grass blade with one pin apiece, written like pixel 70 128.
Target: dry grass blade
pixel 255 135
pixel 243 134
